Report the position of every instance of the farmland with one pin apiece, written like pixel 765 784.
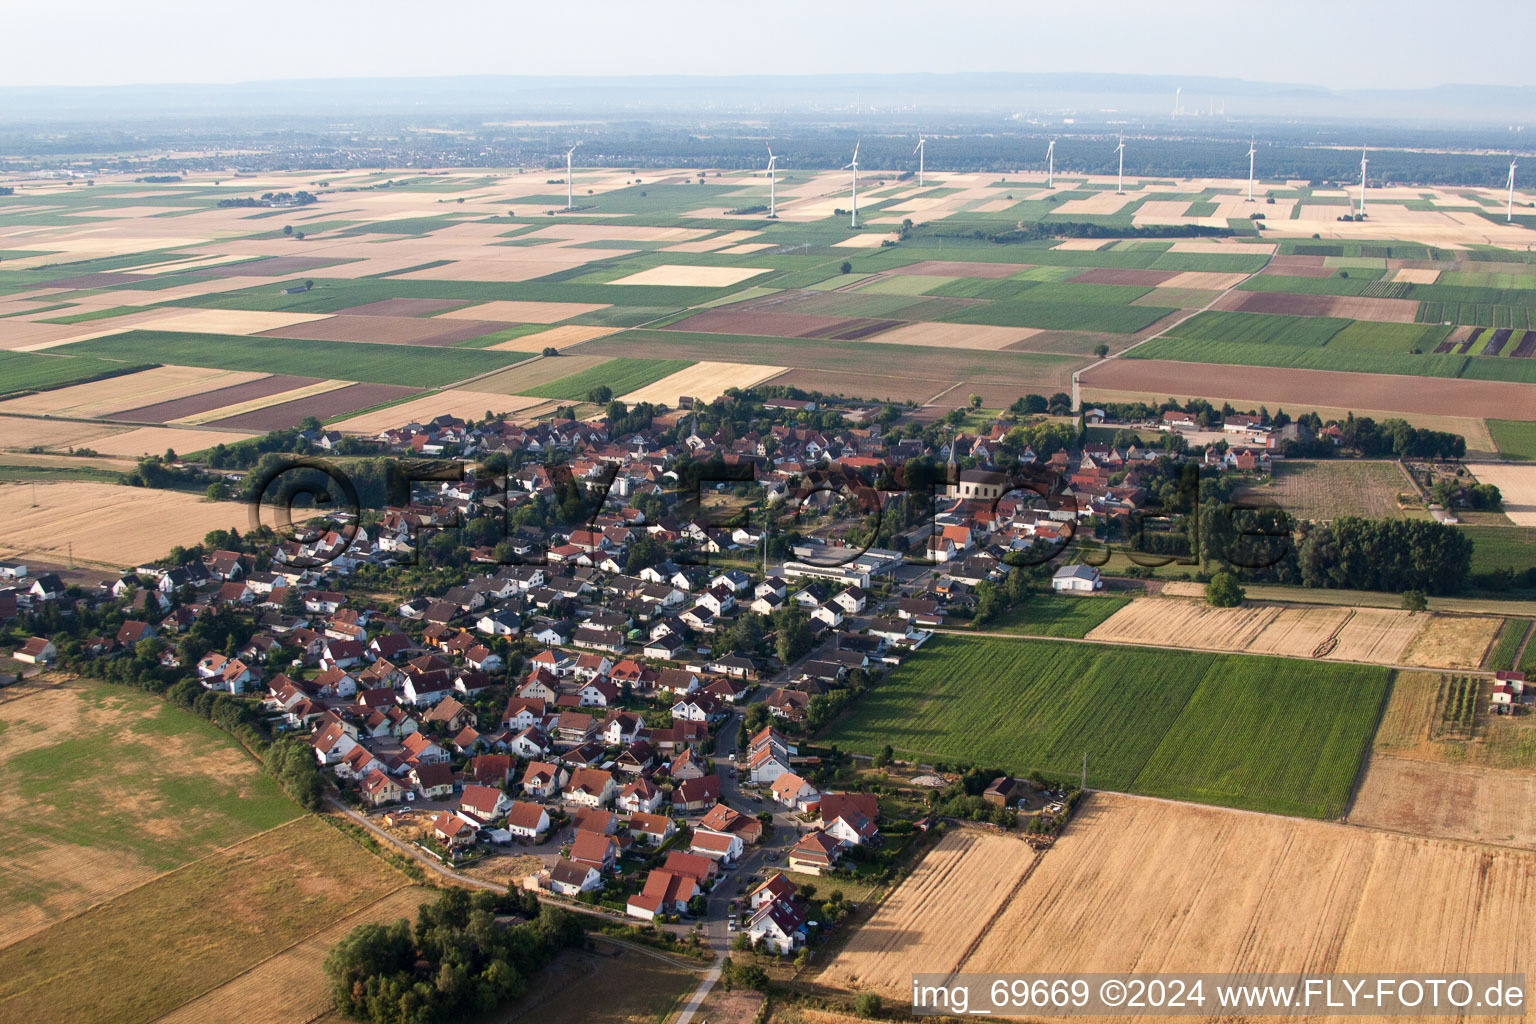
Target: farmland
pixel 1374 635
pixel 1327 489
pixel 619 375
pixel 1181 724
pixel 154 947
pixel 1058 615
pixel 31 371
pixel 375 364
pixel 1247 894
pixel 106 788
pixel 1516 438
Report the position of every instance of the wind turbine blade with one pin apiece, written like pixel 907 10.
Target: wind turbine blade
pixel 855 161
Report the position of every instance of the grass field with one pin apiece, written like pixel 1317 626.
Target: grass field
pixel 1502 547
pixel 621 375
pixel 1281 735
pixel 1056 615
pixel 106 787
pixel 1501 656
pixel 339 360
pixel 1055 316
pixel 155 947
pixel 1516 438
pixel 32 371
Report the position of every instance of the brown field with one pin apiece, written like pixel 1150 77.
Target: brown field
pixel 221 398
pixel 230 413
pixel 1378 635
pixel 703 381
pixel 1447 801
pixel 291 986
pixel 325 406
pixel 864 385
pixel 1352 307
pixel 107 523
pixel 612 984
pixel 515 312
pixel 387 330
pixel 1517 485
pixel 153 948
pixel 1329 488
pixel 1453 642
pixel 693 277
pixel 130 391
pixel 1137 885
pixel 404 307
pixel 458 402
pixel 960 268
pixel 533 373
pixel 1249 385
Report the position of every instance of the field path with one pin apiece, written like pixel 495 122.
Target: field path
pixel 1077 390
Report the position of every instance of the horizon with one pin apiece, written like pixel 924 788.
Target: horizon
pixel 110 46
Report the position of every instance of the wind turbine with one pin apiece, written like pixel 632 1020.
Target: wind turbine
pixel 1250 169
pixel 919 151
pixel 771 180
pixel 1120 185
pixel 1178 94
pixel 1050 165
pixel 1363 162
pixel 569 201
pixel 854 166
pixel 1509 211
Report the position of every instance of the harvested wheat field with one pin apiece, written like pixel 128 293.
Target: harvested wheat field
pixel 692 277
pixel 704 382
pixel 108 524
pixel 465 404
pixel 972 336
pixel 560 338
pixel 516 312
pixel 155 440
pixel 227 321
pixel 1137 885
pixel 18 432
pixel 129 391
pixel 1377 635
pixel 292 985
pixel 1449 641
pixel 1517 484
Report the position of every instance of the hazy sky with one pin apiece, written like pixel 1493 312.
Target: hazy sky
pixel 1404 43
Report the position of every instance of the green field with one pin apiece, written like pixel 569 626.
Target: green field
pixel 1259 328
pixel 1370 336
pixel 341 360
pixel 1501 656
pixel 1516 438
pixel 1269 734
pixel 1502 547
pixel 1056 615
pixel 34 371
pixel 621 375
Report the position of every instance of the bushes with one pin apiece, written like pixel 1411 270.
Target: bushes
pixel 291 761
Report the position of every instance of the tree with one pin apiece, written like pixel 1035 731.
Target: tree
pixel 867 1005
pixel 550 350
pixel 846 268
pixel 600 395
pixel 1414 601
pixel 974 401
pixel 1101 350
pixel 1223 591
pixel 218 491
pixel 287 229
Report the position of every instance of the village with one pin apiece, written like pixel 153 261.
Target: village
pixel 617 702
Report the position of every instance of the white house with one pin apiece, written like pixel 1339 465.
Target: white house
pixel 1084 578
